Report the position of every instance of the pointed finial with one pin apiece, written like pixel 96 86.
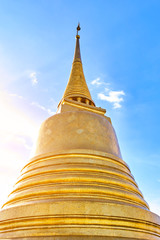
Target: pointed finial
pixel 78 28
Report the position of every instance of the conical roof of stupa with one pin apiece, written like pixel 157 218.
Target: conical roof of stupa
pixel 77 86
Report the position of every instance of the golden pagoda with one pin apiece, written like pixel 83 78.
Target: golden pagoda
pixel 77 187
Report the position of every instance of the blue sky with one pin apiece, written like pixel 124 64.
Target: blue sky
pixel 120 48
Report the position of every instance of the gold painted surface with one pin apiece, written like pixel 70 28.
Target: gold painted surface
pixel 67 105
pixel 77 86
pixel 83 218
pixel 68 130
pixel 75 176
pixel 77 187
pixel 77 192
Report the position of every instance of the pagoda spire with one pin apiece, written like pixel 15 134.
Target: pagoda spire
pixel 77 54
pixel 77 88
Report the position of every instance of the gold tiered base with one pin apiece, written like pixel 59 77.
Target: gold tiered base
pixel 97 220
pixel 75 195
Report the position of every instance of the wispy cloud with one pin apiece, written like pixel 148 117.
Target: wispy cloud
pixel 96 82
pixel 22 140
pixel 33 77
pixel 115 97
pixel 16 95
pixel 48 110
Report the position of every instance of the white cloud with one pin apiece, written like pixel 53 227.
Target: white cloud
pixel 16 95
pixel 96 82
pixel 116 105
pixel 21 140
pixel 33 77
pixel 107 89
pixel 114 97
pixel 49 111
